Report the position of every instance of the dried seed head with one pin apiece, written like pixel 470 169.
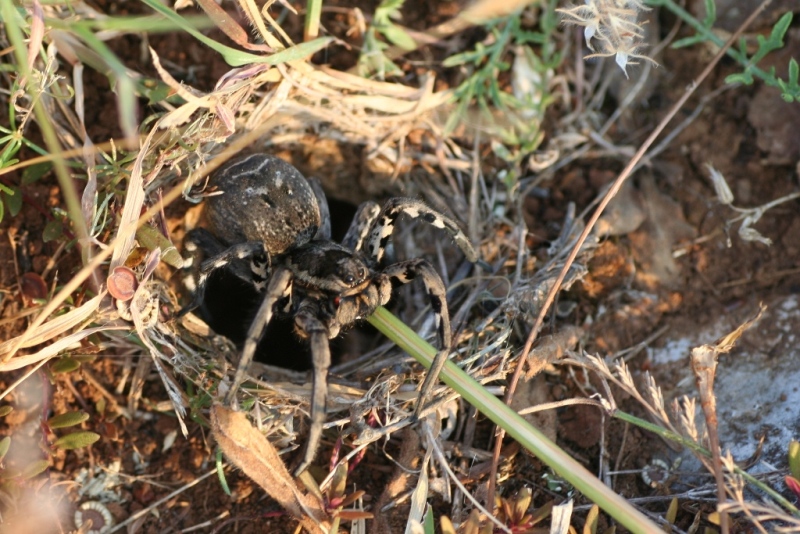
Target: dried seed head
pixel 610 28
pixel 724 193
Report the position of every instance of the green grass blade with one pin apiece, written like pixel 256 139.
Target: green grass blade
pixel 235 57
pixel 133 24
pixel 515 425
pixel 312 22
pixel 124 85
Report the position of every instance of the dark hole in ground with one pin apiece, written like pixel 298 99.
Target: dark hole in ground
pixel 230 305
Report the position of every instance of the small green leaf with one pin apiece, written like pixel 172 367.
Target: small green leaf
pixel 68 419
pixel 391 5
pixel 457 59
pixel 794 71
pixel 52 230
pixel 794 459
pixel 780 28
pixel 35 468
pixel 687 41
pixel 150 238
pixel 2 209
pixel 501 151
pixel 742 77
pixel 14 201
pixel 711 14
pixel 221 474
pixel 5 410
pixel 11 149
pixel 64 365
pixel 790 89
pixel 428 523
pixel 398 36
pixel 5 443
pixel 154 90
pixel 76 440
pixel 672 514
pixel 35 171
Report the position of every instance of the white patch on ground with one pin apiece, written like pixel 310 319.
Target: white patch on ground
pixel 757 385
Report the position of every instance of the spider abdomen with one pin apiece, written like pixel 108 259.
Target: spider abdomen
pixel 265 199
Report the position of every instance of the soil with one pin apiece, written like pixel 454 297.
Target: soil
pixel 684 269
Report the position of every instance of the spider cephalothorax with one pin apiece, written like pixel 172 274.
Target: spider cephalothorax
pixel 268 213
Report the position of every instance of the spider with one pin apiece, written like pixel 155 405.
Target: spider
pixel 268 213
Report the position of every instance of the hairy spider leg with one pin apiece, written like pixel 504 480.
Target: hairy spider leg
pixel 307 320
pixel 197 244
pixel 280 286
pixel 324 230
pixel 359 229
pixel 259 266
pixel 403 273
pixel 383 226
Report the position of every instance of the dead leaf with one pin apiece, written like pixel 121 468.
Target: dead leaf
pixel 250 451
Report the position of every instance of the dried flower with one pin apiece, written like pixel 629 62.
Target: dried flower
pixel 611 28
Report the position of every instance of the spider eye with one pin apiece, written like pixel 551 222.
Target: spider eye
pixel 362 273
pixel 349 279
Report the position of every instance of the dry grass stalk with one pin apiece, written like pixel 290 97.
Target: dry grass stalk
pixel 704 367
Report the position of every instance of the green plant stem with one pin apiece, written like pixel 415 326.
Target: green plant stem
pixel 515 425
pixel 708 35
pixel 123 83
pixel 313 14
pixel 132 24
pixel 700 450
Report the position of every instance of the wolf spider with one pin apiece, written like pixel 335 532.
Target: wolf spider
pixel 269 213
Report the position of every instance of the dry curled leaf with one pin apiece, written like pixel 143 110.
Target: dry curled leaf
pixel 250 451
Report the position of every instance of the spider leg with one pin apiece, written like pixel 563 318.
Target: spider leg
pixel 308 322
pixel 384 226
pixel 359 229
pixel 406 271
pixel 197 244
pixel 259 265
pixel 280 286
pixel 324 231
